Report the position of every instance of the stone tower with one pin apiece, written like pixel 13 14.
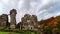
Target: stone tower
pixel 29 22
pixel 3 21
pixel 13 18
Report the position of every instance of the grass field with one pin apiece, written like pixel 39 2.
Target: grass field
pixel 3 32
pixel 15 33
pixel 8 33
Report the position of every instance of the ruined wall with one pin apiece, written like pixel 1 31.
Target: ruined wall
pixel 3 20
pixel 29 22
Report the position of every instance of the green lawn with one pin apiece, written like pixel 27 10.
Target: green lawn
pixel 7 33
pixel 18 32
pixel 3 32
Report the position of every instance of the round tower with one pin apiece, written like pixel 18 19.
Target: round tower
pixel 13 18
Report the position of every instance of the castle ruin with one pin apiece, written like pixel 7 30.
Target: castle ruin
pixel 28 22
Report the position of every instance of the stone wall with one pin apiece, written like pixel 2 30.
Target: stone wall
pixel 3 20
pixel 29 22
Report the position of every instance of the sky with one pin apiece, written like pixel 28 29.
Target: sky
pixel 43 9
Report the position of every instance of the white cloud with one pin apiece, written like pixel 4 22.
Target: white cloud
pixel 41 8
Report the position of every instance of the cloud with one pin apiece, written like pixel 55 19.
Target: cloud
pixel 42 8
